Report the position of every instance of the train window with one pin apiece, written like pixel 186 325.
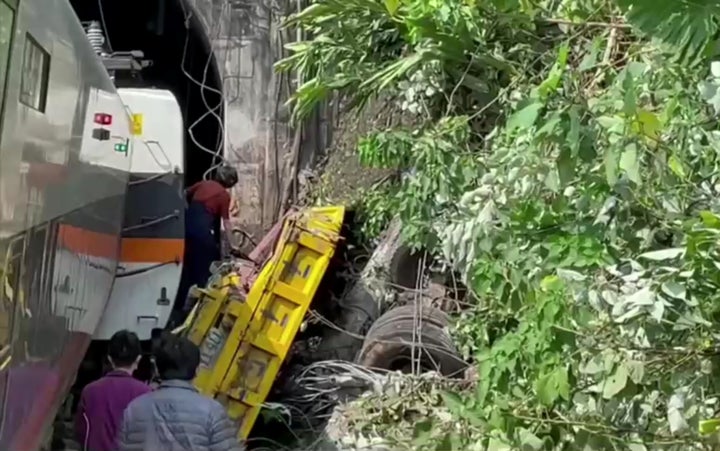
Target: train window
pixel 36 68
pixel 7 18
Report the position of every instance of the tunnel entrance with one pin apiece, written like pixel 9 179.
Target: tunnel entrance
pixel 175 41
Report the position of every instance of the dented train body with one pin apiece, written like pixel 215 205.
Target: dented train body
pixel 64 170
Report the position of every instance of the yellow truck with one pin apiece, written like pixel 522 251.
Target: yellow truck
pixel 247 317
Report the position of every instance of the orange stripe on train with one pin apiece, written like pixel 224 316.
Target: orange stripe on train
pixel 152 250
pixel 132 250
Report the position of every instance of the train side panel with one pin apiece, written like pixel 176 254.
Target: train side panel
pixel 63 181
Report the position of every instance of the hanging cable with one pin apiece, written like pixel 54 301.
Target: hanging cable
pixel 104 25
pixel 155 221
pixel 135 272
pixel 211 110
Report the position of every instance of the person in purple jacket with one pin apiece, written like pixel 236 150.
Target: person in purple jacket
pixel 102 403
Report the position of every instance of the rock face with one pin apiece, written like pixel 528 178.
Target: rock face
pixel 246 41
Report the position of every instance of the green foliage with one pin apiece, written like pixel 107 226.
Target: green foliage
pixel 437 171
pixel 366 47
pixel 569 172
pixel 691 26
pixel 375 212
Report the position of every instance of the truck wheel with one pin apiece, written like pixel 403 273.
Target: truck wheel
pixel 403 269
pixel 388 344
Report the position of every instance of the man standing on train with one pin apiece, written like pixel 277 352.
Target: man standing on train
pixel 102 402
pixel 208 209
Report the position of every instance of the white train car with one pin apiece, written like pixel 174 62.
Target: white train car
pixel 153 241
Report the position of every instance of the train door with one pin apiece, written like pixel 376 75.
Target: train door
pixel 153 230
pixel 10 290
pixel 30 334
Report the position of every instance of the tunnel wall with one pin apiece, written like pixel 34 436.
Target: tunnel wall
pixel 246 39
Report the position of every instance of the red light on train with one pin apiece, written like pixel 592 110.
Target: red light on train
pixel 103 119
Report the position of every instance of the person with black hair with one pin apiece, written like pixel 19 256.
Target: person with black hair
pixel 208 208
pixel 102 403
pixel 175 417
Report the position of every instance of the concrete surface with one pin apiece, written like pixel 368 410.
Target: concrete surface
pixel 246 40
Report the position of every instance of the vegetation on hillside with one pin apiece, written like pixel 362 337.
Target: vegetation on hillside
pixel 566 166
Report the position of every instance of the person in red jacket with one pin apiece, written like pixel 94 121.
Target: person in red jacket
pixel 208 209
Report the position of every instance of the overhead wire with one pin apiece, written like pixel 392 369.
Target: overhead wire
pixel 217 154
pixel 102 21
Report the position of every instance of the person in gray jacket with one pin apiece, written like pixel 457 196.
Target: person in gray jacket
pixel 175 417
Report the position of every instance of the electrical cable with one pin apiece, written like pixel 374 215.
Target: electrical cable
pixel 139 271
pixel 320 387
pixel 226 12
pixel 278 94
pixel 102 21
pixel 218 157
pixel 203 87
pixel 217 153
